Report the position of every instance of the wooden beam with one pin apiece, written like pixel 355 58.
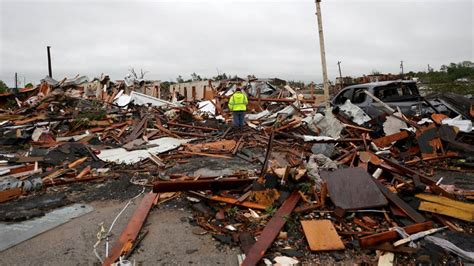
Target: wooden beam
pixel 271 231
pixel 379 238
pixel 397 201
pixel 130 233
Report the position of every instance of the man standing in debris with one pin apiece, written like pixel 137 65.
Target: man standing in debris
pixel 238 105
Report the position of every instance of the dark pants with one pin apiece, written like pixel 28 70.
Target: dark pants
pixel 239 118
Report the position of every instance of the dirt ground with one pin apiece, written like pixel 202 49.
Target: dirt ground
pixel 170 240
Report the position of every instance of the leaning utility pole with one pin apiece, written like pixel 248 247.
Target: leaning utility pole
pixel 340 74
pixel 50 71
pixel 323 52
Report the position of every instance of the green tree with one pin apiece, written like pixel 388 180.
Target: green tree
pixel 375 72
pixel 222 76
pixel 179 79
pixel 3 87
pixel 195 77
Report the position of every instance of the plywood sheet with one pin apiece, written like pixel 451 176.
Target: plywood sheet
pixel 353 189
pixel 321 235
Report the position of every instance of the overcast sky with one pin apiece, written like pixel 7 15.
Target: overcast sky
pixel 265 38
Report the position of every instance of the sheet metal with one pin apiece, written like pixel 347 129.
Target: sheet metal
pixel 121 155
pixel 14 234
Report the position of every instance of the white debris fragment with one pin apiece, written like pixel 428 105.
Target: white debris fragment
pixel 285 261
pixel 121 155
pixel 356 114
pixel 463 125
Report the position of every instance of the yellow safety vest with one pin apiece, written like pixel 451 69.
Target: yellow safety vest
pixel 238 102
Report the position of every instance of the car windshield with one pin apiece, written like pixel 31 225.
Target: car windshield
pixel 396 92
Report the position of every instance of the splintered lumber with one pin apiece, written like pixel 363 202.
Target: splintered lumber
pixel 246 204
pixel 184 185
pixel 84 172
pixel 268 153
pixel 223 145
pixel 321 235
pixel 376 239
pixel 387 140
pixel 271 231
pixel 77 162
pixel 166 131
pixel 9 194
pixel 130 233
pixel 137 131
pixel 353 189
pixel 405 171
pixel 207 154
pixel 445 206
pixel 192 126
pixel 402 205
pixel 30 120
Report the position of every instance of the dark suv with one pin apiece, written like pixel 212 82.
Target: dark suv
pixel 401 93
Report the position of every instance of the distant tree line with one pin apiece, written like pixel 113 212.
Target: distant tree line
pixel 458 78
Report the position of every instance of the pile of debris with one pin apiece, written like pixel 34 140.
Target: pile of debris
pixel 300 183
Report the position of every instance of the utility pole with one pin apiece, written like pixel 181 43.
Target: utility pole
pixel 340 74
pixel 401 66
pixel 50 71
pixel 16 81
pixel 323 52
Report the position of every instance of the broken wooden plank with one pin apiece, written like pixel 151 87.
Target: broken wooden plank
pixel 321 235
pixel 246 204
pixel 268 153
pixel 167 131
pixel 446 206
pixel 77 162
pixel 192 126
pixel 84 172
pixel 132 230
pixel 387 140
pixel 222 146
pixel 10 194
pixel 446 201
pixel 184 185
pixel 207 154
pixel 402 205
pixel 379 238
pixel 271 231
pixel 137 130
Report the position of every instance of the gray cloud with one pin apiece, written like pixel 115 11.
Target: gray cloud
pixel 265 38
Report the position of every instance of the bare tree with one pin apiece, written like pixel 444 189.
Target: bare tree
pixel 134 74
